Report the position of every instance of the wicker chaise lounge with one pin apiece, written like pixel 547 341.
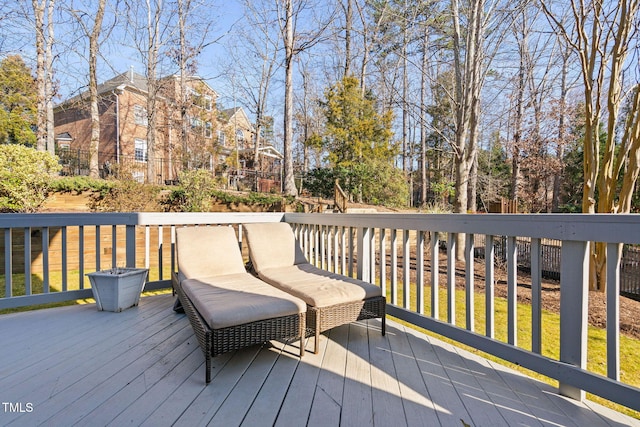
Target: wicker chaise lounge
pixel 227 307
pixel 332 299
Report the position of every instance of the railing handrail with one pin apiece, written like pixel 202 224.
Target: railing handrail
pixel 339 197
pixel 608 228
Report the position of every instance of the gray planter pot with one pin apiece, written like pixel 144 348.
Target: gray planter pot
pixel 117 289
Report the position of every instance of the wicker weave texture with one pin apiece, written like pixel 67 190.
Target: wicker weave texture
pixel 214 342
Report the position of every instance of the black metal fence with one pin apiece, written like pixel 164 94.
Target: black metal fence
pixel 76 163
pixel 550 260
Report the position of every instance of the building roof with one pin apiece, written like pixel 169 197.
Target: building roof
pixel 129 79
pixel 227 115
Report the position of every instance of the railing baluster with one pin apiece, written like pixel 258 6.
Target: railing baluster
pixel 330 248
pixel 614 251
pixel 435 275
pixel 316 245
pixel 343 250
pixel 161 242
pixel 27 261
pixel 336 246
pixel 147 245
pixel 536 296
pixel 98 264
pixel 81 257
pixel 469 282
pixel 451 278
pixel 406 270
pixel 420 271
pixel 489 283
pixel 173 248
pixel 351 244
pixel 383 261
pixel 363 254
pixel 372 255
pixel 65 260
pixel 8 263
pixel 45 260
pixel 394 266
pixel 512 290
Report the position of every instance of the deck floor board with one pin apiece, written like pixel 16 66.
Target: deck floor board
pixel 78 366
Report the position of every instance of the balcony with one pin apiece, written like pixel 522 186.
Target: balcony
pixel 76 365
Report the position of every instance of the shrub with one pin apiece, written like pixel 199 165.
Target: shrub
pixel 25 174
pixel 125 196
pixel 196 192
pixel 79 184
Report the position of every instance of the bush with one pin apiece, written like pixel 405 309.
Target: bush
pixel 25 175
pixel 196 192
pixel 79 184
pixel 123 196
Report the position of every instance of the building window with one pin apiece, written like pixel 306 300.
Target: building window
pixel 207 102
pixel 141 153
pixel 200 100
pixel 221 138
pixel 140 115
pixel 208 130
pixel 196 123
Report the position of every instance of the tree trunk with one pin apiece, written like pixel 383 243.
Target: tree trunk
pixel 423 119
pixel 289 180
pixel 94 145
pixel 153 21
pixel 41 121
pixel 50 130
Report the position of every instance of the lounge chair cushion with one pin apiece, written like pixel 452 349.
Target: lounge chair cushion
pixel 319 288
pixel 272 245
pixel 235 299
pixel 206 252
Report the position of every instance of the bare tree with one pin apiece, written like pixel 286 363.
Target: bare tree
pixel 294 43
pixel 600 34
pixel 289 181
pixel 150 31
pixel 257 70
pixel 44 28
pixel 92 29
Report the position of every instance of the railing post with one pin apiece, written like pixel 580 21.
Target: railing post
pixel 574 288
pixel 363 254
pixel 131 245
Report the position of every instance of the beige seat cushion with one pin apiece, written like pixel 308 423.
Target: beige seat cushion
pixel 319 288
pixel 235 299
pixel 272 245
pixel 207 251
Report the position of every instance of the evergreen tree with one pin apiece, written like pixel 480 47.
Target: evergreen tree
pixel 358 141
pixel 18 100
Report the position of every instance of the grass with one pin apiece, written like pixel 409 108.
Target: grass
pixel 596 346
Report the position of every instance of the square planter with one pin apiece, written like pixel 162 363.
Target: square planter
pixel 117 289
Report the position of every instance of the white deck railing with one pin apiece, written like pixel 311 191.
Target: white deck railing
pixel 392 250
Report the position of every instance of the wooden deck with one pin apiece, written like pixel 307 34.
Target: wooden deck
pixel 77 366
